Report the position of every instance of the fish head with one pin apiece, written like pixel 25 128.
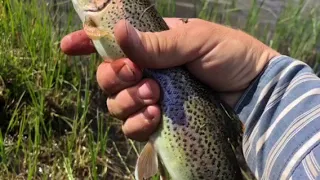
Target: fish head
pixel 99 18
pixel 83 6
pixel 98 14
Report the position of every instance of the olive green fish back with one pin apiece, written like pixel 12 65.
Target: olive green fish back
pixel 209 150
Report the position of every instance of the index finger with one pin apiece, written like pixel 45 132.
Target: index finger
pixel 77 43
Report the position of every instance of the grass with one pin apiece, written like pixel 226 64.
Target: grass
pixel 54 123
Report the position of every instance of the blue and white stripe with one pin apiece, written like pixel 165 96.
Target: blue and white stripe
pixel 281 114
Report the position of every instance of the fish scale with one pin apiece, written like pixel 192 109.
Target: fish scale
pixel 193 138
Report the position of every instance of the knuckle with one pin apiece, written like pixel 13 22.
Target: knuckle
pixel 153 45
pixel 114 109
pixel 155 89
pixel 140 126
pixel 105 78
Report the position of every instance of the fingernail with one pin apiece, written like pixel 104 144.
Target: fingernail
pixel 144 91
pixel 126 74
pixel 149 114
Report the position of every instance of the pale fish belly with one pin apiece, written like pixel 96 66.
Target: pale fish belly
pixel 107 49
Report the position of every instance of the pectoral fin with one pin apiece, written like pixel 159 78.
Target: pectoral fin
pixel 147 163
pixel 93 32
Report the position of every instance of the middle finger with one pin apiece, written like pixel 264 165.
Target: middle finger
pixel 134 98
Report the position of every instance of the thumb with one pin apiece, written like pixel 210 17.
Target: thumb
pixel 165 49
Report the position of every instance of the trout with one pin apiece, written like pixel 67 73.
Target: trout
pixel 197 136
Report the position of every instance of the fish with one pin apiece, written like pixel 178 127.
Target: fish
pixel 198 133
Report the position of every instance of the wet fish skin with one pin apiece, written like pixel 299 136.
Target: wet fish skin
pixel 193 139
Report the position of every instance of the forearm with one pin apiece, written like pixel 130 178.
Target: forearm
pixel 281 114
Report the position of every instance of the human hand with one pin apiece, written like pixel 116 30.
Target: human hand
pixel 225 59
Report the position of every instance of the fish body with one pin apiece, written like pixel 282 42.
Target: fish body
pixel 193 139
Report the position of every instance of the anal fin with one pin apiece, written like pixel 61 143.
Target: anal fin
pixel 147 163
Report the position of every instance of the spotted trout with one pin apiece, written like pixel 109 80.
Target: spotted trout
pixel 194 138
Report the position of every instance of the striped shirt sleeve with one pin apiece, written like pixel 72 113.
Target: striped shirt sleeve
pixel 281 115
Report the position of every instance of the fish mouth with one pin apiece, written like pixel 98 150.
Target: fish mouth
pixel 96 5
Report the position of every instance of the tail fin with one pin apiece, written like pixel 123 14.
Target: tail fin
pixel 235 135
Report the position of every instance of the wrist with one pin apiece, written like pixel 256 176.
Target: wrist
pixel 266 55
pixel 259 56
pixel 248 75
pixel 231 98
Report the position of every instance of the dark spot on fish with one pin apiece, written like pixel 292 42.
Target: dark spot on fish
pixel 195 151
